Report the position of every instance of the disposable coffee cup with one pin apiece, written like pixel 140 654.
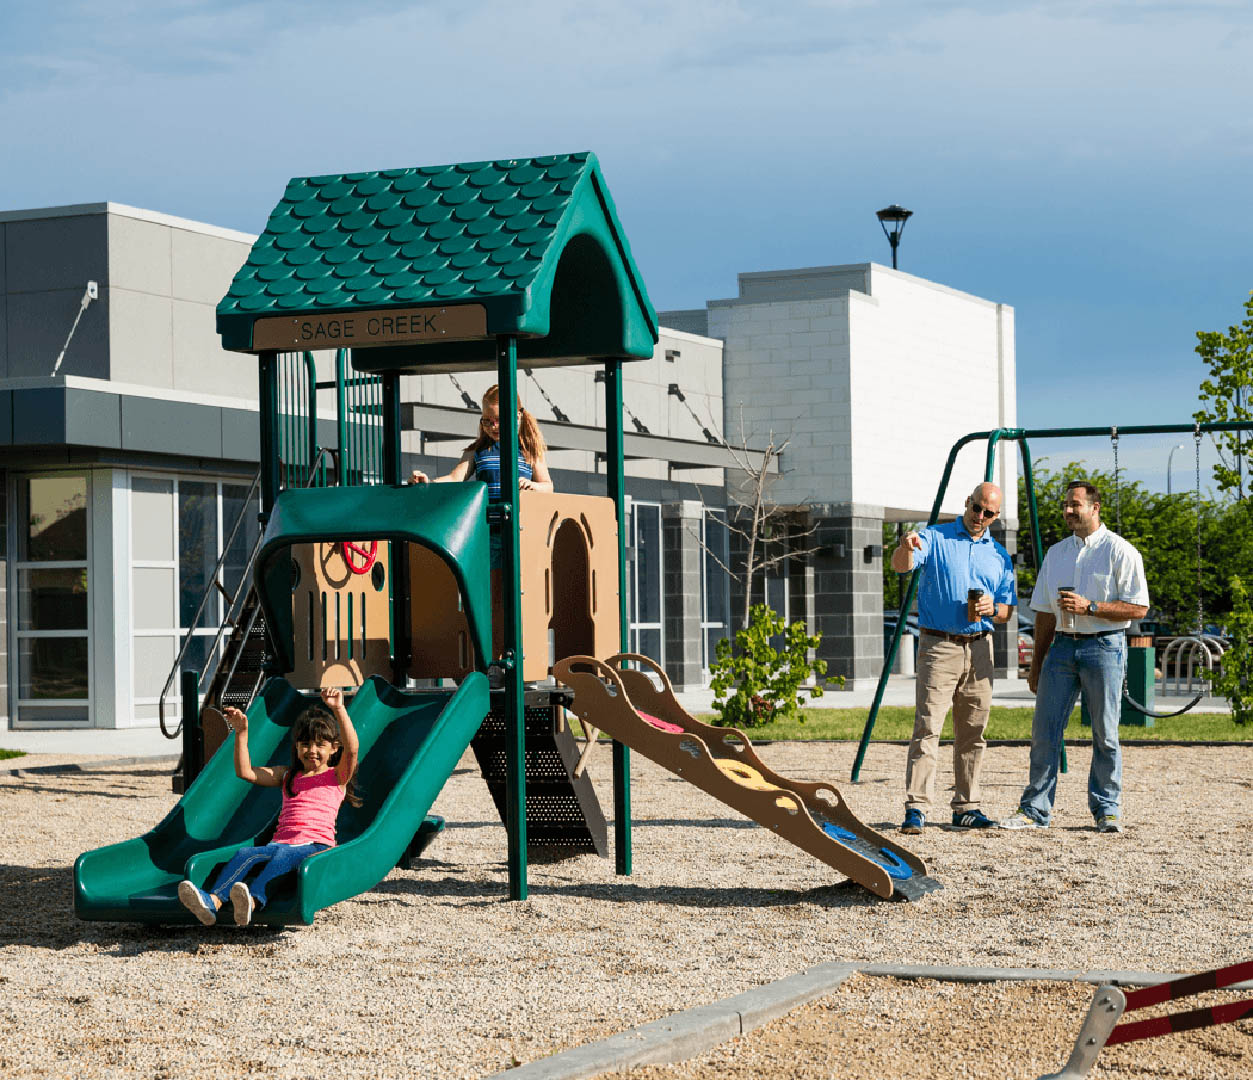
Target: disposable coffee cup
pixel 972 602
pixel 1065 619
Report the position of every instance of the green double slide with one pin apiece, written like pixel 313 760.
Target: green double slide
pixel 410 744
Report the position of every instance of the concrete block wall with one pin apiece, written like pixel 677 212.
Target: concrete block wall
pixel 681 559
pixel 786 375
pixel 848 592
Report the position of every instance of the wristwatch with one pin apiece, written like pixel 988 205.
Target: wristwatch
pixel 1092 607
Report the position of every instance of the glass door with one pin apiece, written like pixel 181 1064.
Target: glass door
pixel 646 580
pixel 52 620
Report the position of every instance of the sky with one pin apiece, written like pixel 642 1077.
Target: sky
pixel 1088 163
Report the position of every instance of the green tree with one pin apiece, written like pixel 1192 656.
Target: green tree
pixel 1227 394
pixel 755 683
pixel 1162 527
pixel 1235 681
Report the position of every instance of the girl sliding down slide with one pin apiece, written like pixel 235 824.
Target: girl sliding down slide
pixel 324 759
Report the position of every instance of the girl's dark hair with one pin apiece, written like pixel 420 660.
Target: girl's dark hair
pixel 316 724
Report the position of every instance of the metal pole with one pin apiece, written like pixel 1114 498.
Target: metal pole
pixel 391 430
pixel 908 603
pixel 615 480
pixel 341 414
pixel 511 604
pixel 193 744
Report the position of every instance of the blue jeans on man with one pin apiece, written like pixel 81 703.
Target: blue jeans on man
pixel 1094 665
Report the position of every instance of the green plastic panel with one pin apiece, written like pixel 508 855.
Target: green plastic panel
pixel 410 744
pixel 449 519
pixel 536 241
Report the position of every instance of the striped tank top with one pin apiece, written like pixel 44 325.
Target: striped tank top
pixel 487 468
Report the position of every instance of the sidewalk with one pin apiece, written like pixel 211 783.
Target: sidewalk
pixel 148 742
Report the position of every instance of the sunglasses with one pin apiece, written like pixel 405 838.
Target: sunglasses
pixel 982 512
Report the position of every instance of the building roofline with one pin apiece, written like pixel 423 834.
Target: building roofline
pixel 684 335
pixel 122 210
pixel 868 269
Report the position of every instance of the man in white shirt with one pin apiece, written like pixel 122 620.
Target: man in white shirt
pixel 1089 589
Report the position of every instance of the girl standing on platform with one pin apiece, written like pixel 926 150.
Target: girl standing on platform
pixel 324 759
pixel 481 459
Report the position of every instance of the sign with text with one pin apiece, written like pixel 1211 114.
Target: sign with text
pixel 358 329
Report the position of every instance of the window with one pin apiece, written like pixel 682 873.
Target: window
pixel 178 529
pixel 646 580
pixel 52 620
pixel 714 586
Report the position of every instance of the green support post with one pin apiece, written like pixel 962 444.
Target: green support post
pixel 616 481
pixel 267 374
pixel 900 622
pixel 511 604
pixel 398 582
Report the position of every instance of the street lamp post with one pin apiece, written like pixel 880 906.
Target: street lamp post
pixel 1169 459
pixel 897 216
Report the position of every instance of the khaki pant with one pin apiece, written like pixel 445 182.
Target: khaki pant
pixel 961 676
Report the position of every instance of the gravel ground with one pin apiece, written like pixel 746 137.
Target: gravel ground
pixel 434 974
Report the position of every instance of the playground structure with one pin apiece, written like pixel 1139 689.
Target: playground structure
pixel 1101 1026
pixel 1140 665
pixel 370 583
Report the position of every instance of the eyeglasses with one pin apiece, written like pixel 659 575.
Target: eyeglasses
pixel 982 512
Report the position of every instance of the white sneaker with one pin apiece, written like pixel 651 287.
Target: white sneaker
pixel 1109 823
pixel 198 902
pixel 1020 820
pixel 242 902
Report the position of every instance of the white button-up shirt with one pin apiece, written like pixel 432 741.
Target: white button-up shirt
pixel 1100 567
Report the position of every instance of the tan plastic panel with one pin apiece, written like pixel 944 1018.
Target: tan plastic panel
pixel 334 644
pixel 569 551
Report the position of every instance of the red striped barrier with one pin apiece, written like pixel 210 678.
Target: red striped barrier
pixel 1101 1026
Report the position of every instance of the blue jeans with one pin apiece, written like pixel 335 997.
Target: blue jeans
pixel 275 860
pixel 1096 666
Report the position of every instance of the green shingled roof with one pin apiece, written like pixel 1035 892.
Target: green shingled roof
pixel 535 241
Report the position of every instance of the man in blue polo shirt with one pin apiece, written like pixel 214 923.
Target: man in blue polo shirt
pixel 954 651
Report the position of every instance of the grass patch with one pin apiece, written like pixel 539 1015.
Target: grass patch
pixel 897 723
pixel 4 754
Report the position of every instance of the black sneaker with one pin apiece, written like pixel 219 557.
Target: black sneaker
pixel 972 819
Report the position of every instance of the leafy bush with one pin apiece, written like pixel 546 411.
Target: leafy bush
pixel 1235 682
pixel 754 683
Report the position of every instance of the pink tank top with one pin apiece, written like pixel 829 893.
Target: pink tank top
pixel 308 816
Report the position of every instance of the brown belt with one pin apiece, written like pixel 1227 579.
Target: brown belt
pixel 957 639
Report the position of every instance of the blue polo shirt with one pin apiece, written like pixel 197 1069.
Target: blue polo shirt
pixel 952 564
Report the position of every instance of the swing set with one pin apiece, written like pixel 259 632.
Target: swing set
pixel 1023 436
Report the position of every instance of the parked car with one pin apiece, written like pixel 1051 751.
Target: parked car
pixel 889 627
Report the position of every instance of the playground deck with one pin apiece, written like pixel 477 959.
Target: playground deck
pixel 433 973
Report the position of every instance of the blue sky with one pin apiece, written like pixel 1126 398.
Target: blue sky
pixel 1088 163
